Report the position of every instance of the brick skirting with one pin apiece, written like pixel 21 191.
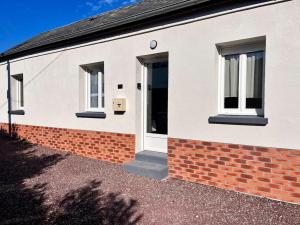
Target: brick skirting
pixel 268 172
pixel 112 147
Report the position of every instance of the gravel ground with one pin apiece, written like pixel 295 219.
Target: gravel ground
pixel 43 186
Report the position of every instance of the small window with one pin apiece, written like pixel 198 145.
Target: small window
pixel 18 89
pixel 242 80
pixel 94 88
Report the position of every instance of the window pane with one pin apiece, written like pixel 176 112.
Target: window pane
pixel 255 69
pixel 21 92
pixel 102 91
pixel 94 89
pixel 231 95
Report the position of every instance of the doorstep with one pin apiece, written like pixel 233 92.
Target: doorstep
pixel 149 164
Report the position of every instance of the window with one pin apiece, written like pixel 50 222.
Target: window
pixel 242 80
pixel 18 89
pixel 94 88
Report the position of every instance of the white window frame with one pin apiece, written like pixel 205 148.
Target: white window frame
pixel 101 95
pixel 18 92
pixel 242 51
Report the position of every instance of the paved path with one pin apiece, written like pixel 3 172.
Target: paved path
pixel 42 186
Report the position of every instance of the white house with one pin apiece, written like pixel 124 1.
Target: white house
pixel 205 91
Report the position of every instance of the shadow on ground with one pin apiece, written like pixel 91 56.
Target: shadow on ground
pixel 90 206
pixel 20 204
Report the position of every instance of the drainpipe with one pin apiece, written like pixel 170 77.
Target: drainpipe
pixel 9 99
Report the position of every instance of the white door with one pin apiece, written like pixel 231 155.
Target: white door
pixel 155 106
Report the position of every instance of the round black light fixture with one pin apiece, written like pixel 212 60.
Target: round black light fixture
pixel 153 44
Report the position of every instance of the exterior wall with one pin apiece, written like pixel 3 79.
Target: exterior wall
pixel 269 172
pixel 52 81
pixel 52 87
pixel 112 147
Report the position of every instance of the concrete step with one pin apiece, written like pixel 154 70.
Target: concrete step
pixel 147 169
pixel 154 157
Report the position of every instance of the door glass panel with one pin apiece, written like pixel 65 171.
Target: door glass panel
pixel 157 98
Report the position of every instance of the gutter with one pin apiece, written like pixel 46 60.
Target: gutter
pixel 9 99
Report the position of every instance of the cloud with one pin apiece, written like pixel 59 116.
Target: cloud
pixel 96 5
pixel 128 2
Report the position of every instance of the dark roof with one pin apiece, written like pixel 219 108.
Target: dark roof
pixel 141 10
pixel 110 20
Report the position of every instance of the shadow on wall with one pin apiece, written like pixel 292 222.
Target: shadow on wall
pixel 20 204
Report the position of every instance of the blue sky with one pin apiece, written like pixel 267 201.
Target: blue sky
pixel 23 19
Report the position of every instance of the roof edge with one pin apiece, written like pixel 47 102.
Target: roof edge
pixel 126 22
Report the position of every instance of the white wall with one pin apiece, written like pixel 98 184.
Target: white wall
pixel 52 80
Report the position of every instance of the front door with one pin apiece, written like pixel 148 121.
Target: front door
pixel 155 106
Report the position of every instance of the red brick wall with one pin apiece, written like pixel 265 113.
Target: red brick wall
pixel 113 147
pixel 269 172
